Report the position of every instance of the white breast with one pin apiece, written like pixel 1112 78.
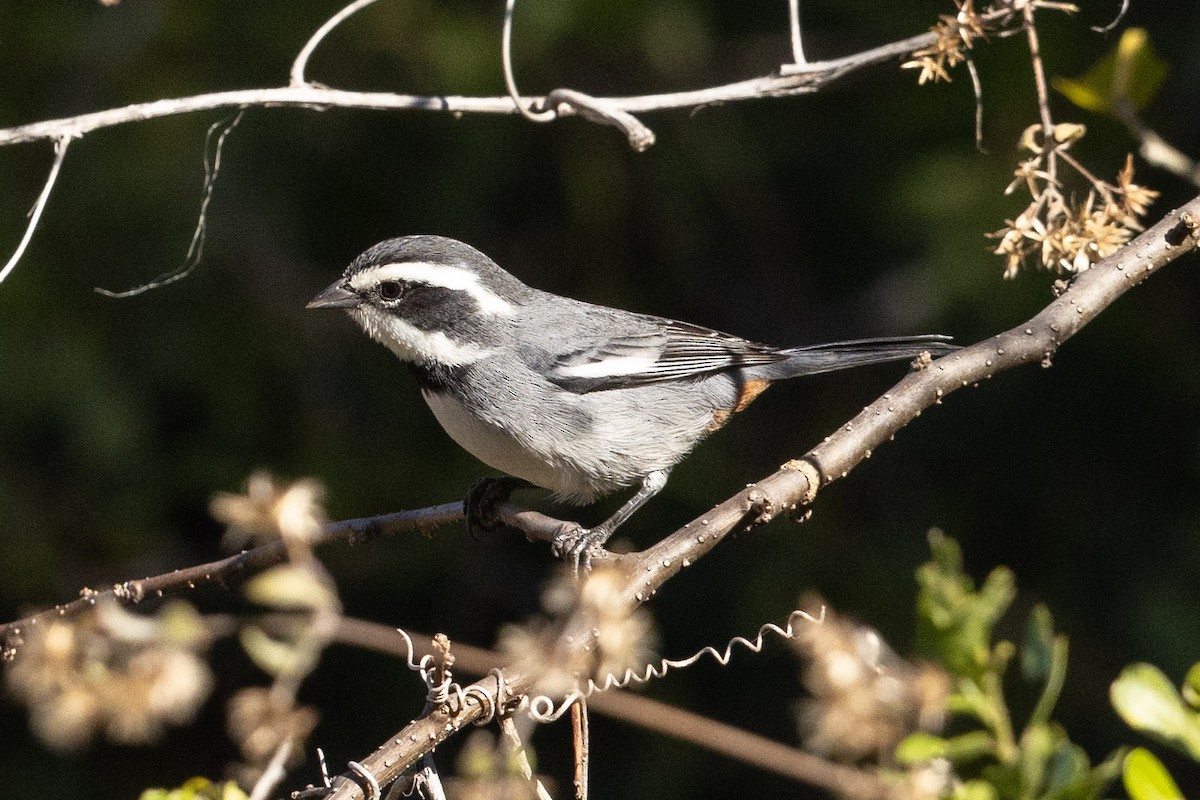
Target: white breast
pixel 491 444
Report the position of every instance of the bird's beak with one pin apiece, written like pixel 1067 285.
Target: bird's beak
pixel 336 296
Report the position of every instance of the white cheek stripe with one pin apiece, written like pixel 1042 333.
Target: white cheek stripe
pixel 443 275
pixel 609 367
pixel 413 344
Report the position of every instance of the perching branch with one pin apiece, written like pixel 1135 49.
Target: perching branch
pixel 231 569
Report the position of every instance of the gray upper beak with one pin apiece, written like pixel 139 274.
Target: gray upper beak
pixel 336 296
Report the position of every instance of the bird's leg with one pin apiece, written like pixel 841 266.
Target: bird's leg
pixel 479 507
pixel 575 543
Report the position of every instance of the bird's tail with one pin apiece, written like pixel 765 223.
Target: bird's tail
pixel 816 358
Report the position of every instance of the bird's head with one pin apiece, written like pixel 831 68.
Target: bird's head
pixel 429 299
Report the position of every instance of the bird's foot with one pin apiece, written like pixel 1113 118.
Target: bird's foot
pixel 479 507
pixel 578 545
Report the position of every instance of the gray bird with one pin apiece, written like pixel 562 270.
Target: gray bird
pixel 577 398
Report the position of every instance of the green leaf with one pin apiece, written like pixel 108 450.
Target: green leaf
pixel 1147 779
pixel 1128 76
pixel 197 789
pixel 917 748
pixel 1147 701
pixel 273 656
pixel 1037 654
pixel 1037 745
pixel 1067 770
pixel 954 621
pixel 975 790
pixel 1191 686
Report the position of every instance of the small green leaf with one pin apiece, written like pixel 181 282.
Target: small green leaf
pixel 917 748
pixel 1037 745
pixel 197 789
pixel 1191 687
pixel 1067 769
pixel 975 790
pixel 1147 779
pixel 1130 75
pixel 273 656
pixel 1038 651
pixel 1147 701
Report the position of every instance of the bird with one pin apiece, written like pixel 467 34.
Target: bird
pixel 574 397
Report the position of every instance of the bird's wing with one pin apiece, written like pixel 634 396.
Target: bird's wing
pixel 661 350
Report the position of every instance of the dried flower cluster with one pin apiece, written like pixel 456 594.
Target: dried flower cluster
pixel 267 511
pixel 955 36
pixel 260 721
pixel 624 638
pixel 865 698
pixel 1064 236
pixel 113 673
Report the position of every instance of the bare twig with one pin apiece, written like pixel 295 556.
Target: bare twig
pixel 1043 96
pixel 214 141
pixel 580 736
pixel 274 774
pixel 60 153
pixel 792 80
pixel 509 729
pixel 301 62
pixel 794 29
pixel 236 567
pixel 510 81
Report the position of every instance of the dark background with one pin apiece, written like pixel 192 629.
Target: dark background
pixel 859 211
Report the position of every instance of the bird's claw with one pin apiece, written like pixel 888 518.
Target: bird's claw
pixel 578 545
pixel 479 506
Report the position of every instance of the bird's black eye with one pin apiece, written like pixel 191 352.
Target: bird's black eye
pixel 390 290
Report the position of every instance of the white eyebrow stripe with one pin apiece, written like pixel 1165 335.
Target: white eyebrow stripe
pixel 444 275
pixel 609 367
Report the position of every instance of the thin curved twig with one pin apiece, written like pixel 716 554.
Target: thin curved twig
pixel 510 81
pixel 298 66
pixel 60 154
pixel 219 131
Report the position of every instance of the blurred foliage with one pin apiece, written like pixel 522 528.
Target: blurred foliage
pixel 956 628
pixel 1131 74
pixel 197 789
pixel 1146 700
pixel 857 211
